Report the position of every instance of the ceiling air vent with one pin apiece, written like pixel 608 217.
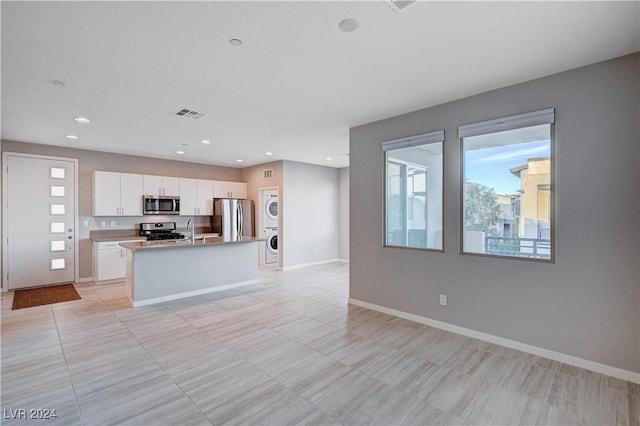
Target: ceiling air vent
pixel 398 5
pixel 268 174
pixel 188 113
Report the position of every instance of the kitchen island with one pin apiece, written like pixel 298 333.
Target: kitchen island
pixel 159 271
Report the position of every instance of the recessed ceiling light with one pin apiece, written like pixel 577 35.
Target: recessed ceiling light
pixel 268 153
pixel 180 152
pixel 72 137
pixel 239 160
pixel 82 120
pixel 205 142
pixel 328 158
pixel 349 25
pixel 235 42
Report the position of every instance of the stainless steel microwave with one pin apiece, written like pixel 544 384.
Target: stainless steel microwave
pixel 160 204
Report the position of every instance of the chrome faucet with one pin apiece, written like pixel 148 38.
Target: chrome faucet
pixel 193 231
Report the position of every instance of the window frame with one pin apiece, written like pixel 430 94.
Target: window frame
pixel 408 142
pixel 514 122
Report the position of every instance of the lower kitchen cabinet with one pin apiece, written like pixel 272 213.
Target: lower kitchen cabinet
pixel 109 262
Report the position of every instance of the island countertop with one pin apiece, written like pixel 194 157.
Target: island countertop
pixel 199 241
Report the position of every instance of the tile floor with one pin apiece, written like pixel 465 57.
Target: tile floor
pixel 288 350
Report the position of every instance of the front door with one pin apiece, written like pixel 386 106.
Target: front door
pixel 40 208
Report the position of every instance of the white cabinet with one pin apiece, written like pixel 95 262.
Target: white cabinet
pixel 196 197
pixel 117 194
pixel 222 189
pixel 161 185
pixel 109 262
pixel 130 194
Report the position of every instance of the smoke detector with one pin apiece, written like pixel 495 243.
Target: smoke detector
pixel 398 5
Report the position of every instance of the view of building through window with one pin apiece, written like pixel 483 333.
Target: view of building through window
pixel 507 193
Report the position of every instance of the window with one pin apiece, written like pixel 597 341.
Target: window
pixel 413 191
pixel 507 193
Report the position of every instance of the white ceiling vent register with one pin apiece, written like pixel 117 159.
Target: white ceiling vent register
pixel 188 113
pixel 268 174
pixel 398 5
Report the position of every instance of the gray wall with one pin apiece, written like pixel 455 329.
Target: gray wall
pixel 587 304
pixel 343 214
pixel 309 200
pixel 88 161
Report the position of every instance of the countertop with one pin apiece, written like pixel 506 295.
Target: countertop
pixel 200 241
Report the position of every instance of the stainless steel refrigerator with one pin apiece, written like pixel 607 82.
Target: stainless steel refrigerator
pixel 233 217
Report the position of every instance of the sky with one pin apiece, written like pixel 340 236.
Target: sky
pixel 490 166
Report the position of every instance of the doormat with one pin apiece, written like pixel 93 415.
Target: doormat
pixel 44 296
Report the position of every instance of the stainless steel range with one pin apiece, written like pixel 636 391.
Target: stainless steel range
pixel 160 231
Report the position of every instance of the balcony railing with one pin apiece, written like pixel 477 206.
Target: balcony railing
pixel 520 247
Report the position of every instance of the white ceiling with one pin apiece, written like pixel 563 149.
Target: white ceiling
pixel 294 87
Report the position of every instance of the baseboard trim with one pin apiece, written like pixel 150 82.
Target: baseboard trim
pixel 306 265
pixel 145 302
pixel 84 280
pixel 608 370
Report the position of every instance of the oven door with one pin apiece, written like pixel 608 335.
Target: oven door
pixel 154 204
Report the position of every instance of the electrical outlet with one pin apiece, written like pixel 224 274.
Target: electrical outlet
pixel 443 300
pixel 113 223
pixel 85 223
pixel 317 251
pixel 103 223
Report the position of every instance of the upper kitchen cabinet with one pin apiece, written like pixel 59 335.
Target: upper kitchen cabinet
pixel 196 197
pixel 117 194
pixel 222 189
pixel 161 185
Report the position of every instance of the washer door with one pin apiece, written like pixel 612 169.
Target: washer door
pixel 271 208
pixel 272 244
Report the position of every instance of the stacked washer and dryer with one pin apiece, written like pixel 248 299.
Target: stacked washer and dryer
pixel 270 225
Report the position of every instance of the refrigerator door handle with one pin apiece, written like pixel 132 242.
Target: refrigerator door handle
pixel 241 219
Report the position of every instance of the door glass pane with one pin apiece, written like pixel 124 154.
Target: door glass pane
pixel 57 209
pixel 57 227
pixel 57 264
pixel 57 173
pixel 56 191
pixel 57 245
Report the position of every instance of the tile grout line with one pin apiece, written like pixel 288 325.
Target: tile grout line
pixel 66 363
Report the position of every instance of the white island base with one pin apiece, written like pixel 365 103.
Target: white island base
pixel 159 272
